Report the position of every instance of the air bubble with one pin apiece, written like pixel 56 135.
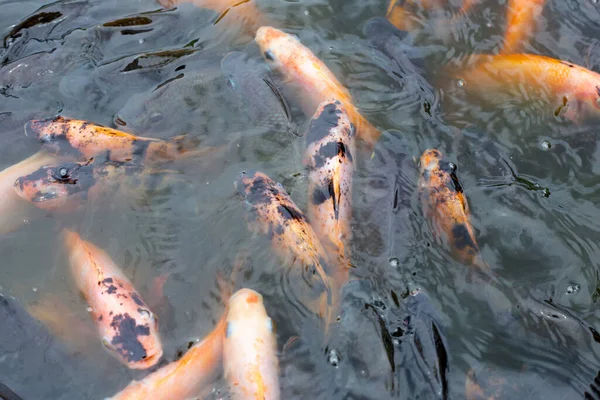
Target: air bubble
pixel 35 289
pixel 573 288
pixel 334 358
pixel 394 262
pixel 546 145
pixel 461 83
pixel 89 309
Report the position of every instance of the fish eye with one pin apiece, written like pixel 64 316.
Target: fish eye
pixel 156 118
pixel 107 345
pixel 229 330
pixel 270 325
pixel 269 55
pixel 598 102
pixel 62 174
pixel 452 167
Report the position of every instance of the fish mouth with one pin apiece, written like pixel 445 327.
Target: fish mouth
pixel 147 362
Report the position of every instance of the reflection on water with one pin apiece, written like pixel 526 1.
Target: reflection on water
pixel 414 322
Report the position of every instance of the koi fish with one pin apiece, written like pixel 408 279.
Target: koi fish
pixel 127 326
pixel 445 207
pixel 404 16
pixel 272 212
pixel 315 81
pixel 184 378
pixel 329 160
pixel 13 210
pixel 244 13
pixel 65 135
pixel 66 186
pixel 562 88
pixel 520 23
pixel 250 349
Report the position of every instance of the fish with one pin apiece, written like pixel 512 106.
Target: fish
pixel 404 14
pixel 184 378
pixel 316 83
pixel 127 327
pixel 252 83
pixel 240 13
pixel 271 211
pixel 520 23
pixel 13 210
pixel 329 160
pixel 446 209
pixel 67 136
pixel 556 87
pixel 250 349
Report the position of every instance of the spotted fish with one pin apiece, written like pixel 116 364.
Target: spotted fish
pixel 184 378
pixel 65 135
pixel 127 326
pixel 329 160
pixel 315 81
pixel 272 212
pixel 250 349
pixel 446 209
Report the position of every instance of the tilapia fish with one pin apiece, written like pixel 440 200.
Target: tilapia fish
pixel 329 160
pixel 553 87
pixel 250 349
pixel 127 326
pixel 446 209
pixel 67 136
pixel 252 83
pixel 66 186
pixel 315 82
pixel 272 212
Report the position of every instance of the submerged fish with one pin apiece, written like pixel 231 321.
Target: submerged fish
pixel 127 326
pixel 252 83
pixel 13 210
pixel 232 12
pixel 272 212
pixel 184 378
pixel 65 135
pixel 446 209
pixel 557 87
pixel 315 82
pixel 329 159
pixel 520 23
pixel 250 349
pixel 404 14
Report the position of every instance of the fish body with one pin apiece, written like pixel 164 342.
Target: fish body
pixel 13 210
pixel 316 83
pixel 446 209
pixel 184 378
pixel 250 349
pixel 521 18
pixel 404 14
pixel 65 135
pixel 242 13
pixel 252 83
pixel 560 87
pixel 127 326
pixel 329 160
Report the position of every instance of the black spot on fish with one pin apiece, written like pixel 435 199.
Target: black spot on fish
pixel 126 340
pixel 269 55
pixel 321 195
pixel 278 229
pixel 140 148
pixel 335 199
pixel 462 238
pixel 320 126
pixel 137 299
pixel 598 90
pixel 101 317
pixel 567 64
pixel 112 289
pixel 288 212
pixel 108 280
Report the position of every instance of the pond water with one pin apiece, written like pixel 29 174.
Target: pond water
pixel 532 186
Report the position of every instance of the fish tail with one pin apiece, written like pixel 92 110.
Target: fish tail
pixel 367 134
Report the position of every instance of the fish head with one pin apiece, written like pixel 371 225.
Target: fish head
pixel 55 187
pixel 234 65
pixel 247 311
pixel 52 133
pixel 585 105
pixel 276 46
pixel 430 160
pixel 130 331
pixel 141 113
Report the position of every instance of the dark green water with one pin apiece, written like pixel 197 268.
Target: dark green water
pixel 538 228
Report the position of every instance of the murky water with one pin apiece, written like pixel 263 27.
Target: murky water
pixel 532 187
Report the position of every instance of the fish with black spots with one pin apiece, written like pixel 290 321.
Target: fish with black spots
pixel 446 209
pixel 126 325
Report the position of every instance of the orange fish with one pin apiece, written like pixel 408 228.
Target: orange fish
pixel 272 212
pixel 329 159
pixel 558 87
pixel 520 23
pixel 315 81
pixel 64 135
pixel 13 210
pixel 127 326
pixel 404 16
pixel 243 13
pixel 184 378
pixel 446 209
pixel 250 349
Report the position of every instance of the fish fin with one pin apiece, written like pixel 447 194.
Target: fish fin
pixel 7 394
pixel 286 109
